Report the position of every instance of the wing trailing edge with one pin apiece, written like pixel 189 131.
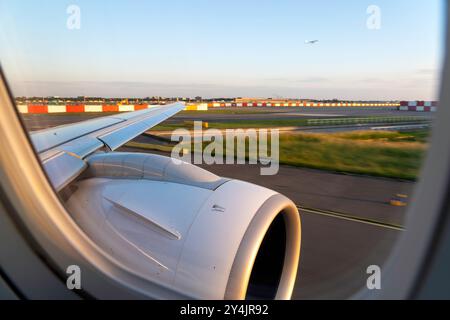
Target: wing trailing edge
pixel 63 149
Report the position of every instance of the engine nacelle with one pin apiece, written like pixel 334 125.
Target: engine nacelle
pixel 188 229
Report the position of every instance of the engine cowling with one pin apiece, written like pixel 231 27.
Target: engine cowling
pixel 186 228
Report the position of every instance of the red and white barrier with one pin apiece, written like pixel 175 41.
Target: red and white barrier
pixel 419 106
pixel 81 108
pixel 76 108
pixel 299 104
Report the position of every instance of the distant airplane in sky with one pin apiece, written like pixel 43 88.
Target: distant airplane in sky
pixel 311 41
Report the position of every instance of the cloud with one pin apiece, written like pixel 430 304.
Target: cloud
pixel 374 81
pixel 300 80
pixel 427 71
pixel 313 80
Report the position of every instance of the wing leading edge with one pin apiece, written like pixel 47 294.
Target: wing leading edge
pixel 63 149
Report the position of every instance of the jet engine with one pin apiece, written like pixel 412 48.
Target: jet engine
pixel 188 229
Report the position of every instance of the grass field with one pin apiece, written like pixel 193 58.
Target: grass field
pixel 377 153
pixel 385 154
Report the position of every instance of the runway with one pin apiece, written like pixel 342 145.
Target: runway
pixel 40 121
pixel 283 113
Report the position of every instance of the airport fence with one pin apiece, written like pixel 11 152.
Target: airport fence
pixel 365 120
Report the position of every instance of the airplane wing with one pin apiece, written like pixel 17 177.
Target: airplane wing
pixel 63 148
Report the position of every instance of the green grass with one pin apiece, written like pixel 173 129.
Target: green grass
pixel 390 136
pixel 384 154
pixel 377 153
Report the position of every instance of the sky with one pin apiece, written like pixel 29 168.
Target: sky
pixel 233 48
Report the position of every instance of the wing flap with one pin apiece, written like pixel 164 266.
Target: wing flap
pixel 63 168
pixel 123 134
pixel 47 139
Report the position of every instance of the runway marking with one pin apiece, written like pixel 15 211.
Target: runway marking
pixel 344 216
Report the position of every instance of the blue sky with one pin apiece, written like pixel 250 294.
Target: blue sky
pixel 223 48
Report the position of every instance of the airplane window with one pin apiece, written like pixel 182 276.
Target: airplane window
pixel 223 156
